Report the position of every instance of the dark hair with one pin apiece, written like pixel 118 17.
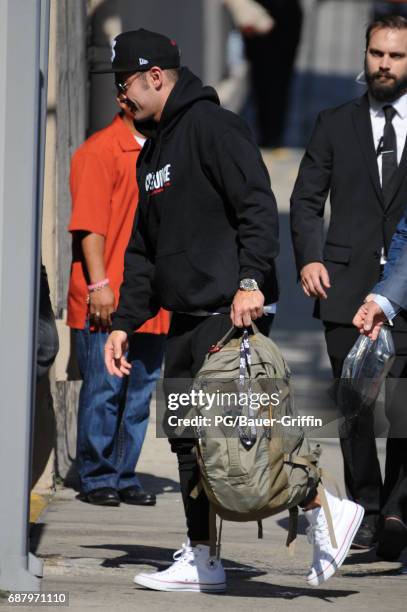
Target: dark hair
pixel 393 22
pixel 173 74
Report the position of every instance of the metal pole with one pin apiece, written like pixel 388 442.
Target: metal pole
pixel 23 54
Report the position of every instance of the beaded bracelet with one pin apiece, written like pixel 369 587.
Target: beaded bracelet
pixel 96 287
pixel 99 285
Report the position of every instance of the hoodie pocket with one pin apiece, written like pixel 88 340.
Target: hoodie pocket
pixel 194 279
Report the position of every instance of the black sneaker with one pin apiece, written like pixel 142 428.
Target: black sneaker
pixel 392 539
pixel 366 536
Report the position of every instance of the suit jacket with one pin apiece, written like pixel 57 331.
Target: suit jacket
pixel 340 160
pixel 394 282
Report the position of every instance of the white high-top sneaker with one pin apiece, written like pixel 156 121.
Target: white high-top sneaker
pixel 346 518
pixel 193 570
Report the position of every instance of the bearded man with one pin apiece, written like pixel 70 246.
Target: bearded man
pixel 357 155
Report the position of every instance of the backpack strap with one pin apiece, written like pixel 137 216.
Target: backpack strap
pixel 212 531
pixel 328 515
pixel 235 465
pixel 292 529
pixel 305 461
pixel 229 335
pixel 196 490
pixel 254 327
pixel 247 435
pixel 325 475
pixel 214 542
pixel 223 341
pixel 219 538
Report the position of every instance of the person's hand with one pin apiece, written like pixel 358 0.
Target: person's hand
pixel 369 319
pixel 252 30
pixel 101 306
pixel 247 306
pixel 315 279
pixel 116 347
pixel 250 17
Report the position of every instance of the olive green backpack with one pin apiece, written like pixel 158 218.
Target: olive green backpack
pixel 250 473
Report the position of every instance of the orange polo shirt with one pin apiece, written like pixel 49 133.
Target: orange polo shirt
pixel 104 200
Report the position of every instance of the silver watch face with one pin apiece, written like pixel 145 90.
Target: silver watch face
pixel 248 284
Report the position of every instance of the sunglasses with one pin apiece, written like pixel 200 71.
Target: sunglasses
pixel 123 87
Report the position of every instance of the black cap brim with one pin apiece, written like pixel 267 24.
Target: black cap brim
pixel 114 70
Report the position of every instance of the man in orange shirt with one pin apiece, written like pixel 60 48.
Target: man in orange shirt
pixel 113 413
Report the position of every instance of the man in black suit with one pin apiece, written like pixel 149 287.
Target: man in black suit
pixel 357 154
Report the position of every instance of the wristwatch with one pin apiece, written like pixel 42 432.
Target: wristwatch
pixel 248 284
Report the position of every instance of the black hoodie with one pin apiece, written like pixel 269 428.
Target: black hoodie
pixel 206 216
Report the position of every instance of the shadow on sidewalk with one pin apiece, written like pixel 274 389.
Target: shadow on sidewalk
pixel 158 485
pixel 257 589
pixel 369 557
pixel 284 523
pixel 37 530
pixel 149 482
pixel 239 575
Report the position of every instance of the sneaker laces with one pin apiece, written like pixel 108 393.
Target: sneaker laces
pixel 184 555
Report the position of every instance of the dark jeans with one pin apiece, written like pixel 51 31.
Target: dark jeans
pixel 363 478
pixel 113 412
pixel 188 342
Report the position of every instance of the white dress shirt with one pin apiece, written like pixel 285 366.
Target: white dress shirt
pixel 399 123
pixel 400 127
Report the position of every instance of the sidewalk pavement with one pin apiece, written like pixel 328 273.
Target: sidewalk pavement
pixel 94 553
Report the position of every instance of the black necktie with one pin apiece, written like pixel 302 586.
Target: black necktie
pixel 389 151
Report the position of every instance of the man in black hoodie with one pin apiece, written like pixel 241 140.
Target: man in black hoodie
pixel 203 246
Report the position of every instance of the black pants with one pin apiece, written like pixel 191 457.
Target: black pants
pixel 361 465
pixel 188 341
pixel 271 58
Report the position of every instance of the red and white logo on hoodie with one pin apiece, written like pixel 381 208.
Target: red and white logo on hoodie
pixel 159 180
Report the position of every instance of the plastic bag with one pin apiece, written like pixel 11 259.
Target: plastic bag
pixel 364 370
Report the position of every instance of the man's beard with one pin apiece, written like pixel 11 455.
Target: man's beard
pixel 387 91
